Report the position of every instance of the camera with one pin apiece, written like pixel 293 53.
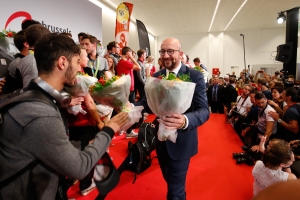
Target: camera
pixel 244 157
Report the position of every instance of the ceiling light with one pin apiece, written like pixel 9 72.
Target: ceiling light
pixel 213 18
pixel 245 1
pixel 281 18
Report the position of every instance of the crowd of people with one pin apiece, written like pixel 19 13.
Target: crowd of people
pixel 44 143
pixel 263 110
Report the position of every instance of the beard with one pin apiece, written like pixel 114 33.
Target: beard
pixel 70 77
pixel 169 63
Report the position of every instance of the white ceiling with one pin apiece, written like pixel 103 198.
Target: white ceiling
pixel 165 17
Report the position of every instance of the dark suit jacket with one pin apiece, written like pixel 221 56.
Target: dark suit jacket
pixel 186 144
pixel 230 95
pixel 220 94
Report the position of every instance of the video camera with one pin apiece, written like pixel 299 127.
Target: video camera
pixel 233 113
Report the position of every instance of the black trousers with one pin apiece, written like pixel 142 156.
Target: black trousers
pixel 84 134
pixel 217 107
pixel 173 171
pixel 141 90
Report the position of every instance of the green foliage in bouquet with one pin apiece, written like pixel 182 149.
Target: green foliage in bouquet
pixel 103 83
pixel 173 77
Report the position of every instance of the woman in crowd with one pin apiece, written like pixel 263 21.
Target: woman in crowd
pixel 240 86
pixel 150 69
pixel 277 103
pixel 111 66
pixel 269 170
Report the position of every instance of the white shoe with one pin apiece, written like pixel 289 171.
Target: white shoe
pixel 132 134
pixel 121 132
pixel 89 189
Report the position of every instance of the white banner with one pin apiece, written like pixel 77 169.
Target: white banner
pixel 72 16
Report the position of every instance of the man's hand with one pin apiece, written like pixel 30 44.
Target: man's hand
pixel 117 121
pixel 294 143
pixel 272 103
pixel 274 115
pixel 2 84
pixel 255 148
pixel 76 101
pixel 174 121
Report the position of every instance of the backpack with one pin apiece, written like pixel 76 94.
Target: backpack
pixel 9 100
pixel 147 136
pixel 138 158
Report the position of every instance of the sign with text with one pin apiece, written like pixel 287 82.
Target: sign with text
pixel 57 15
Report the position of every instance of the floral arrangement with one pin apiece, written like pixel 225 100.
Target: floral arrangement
pixel 82 84
pixel 167 95
pixel 199 69
pixel 173 77
pixel 6 33
pixel 112 92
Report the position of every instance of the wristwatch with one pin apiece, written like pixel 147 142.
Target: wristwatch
pixel 279 121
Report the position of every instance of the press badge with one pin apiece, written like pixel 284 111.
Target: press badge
pixel 3 62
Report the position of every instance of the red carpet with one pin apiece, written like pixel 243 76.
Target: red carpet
pixel 212 174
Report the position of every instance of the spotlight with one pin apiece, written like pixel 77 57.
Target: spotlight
pixel 281 18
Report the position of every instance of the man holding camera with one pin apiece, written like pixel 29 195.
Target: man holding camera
pixel 266 125
pixel 242 104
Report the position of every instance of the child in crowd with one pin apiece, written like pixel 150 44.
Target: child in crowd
pixel 268 171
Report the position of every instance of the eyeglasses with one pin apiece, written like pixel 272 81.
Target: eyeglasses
pixel 169 51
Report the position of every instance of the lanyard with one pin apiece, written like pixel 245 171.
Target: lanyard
pixel 242 102
pixel 92 67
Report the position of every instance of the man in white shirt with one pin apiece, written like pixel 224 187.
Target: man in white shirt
pixel 266 125
pixel 243 101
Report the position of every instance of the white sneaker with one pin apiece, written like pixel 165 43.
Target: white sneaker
pixel 121 132
pixel 89 189
pixel 132 134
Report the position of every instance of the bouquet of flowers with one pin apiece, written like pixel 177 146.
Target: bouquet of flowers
pixel 114 92
pixel 134 115
pixel 81 88
pixel 203 71
pixel 82 85
pixel 7 41
pixel 169 95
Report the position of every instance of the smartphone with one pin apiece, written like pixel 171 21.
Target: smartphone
pixel 2 79
pixel 260 71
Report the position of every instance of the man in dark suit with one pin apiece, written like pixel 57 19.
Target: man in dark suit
pixel 230 96
pixel 216 96
pixel 174 158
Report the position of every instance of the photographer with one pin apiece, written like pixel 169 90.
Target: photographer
pixel 252 115
pixel 277 73
pixel 266 125
pixel 239 112
pixel 289 124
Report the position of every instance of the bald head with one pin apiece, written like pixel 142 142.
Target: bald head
pixel 170 53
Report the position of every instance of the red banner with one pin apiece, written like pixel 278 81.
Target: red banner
pixel 122 23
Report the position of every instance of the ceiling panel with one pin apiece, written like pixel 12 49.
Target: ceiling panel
pixel 192 16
